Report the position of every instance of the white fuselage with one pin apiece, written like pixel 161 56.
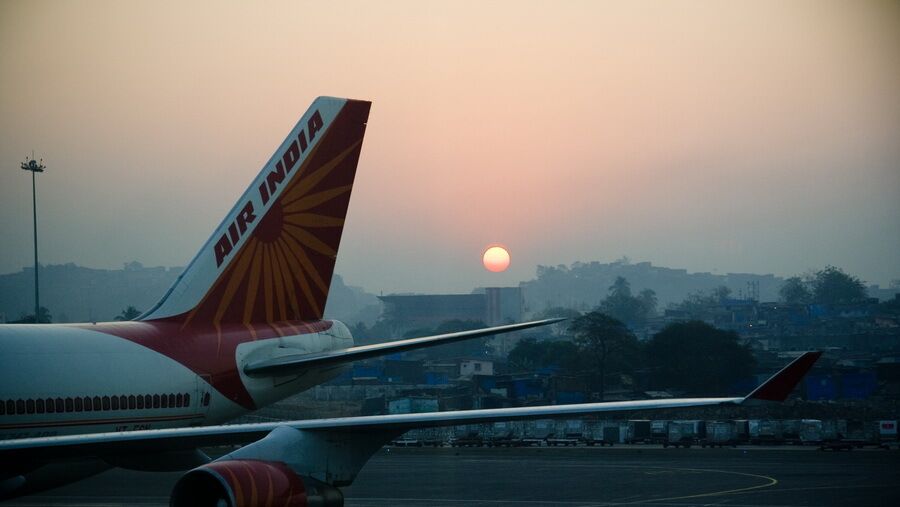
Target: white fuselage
pixel 61 380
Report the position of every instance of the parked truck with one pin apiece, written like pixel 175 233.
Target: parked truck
pixel 536 432
pixel 765 432
pixel 741 431
pixel 659 432
pixel 638 432
pixel 719 434
pixel 681 434
pixel 810 432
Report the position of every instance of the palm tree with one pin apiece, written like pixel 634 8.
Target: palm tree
pixel 129 313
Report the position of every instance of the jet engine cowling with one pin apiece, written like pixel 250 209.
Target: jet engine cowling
pixel 250 483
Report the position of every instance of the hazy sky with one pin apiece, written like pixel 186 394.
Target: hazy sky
pixel 714 136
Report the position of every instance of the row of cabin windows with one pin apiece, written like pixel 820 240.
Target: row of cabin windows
pixel 97 403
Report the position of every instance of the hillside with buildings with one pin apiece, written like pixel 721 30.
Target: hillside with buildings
pixel 75 293
pixel 582 285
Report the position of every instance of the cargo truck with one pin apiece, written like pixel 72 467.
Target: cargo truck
pixel 638 432
pixel 719 434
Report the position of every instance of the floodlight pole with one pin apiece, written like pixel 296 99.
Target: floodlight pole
pixel 35 167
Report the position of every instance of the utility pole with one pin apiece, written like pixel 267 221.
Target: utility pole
pixel 35 167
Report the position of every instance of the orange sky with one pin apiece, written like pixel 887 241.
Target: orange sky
pixel 713 136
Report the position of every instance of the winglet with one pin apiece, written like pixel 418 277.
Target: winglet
pixel 780 385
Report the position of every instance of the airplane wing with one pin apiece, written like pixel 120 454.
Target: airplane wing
pixel 775 389
pixel 285 365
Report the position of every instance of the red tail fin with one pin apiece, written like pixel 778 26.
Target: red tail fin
pixel 273 256
pixel 780 385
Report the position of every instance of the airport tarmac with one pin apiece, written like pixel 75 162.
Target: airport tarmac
pixel 534 477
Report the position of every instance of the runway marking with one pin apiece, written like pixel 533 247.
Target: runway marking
pixel 771 482
pixel 817 488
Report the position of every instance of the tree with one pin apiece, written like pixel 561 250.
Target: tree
pixel 129 313
pixel 44 317
pixel 530 354
pixel 795 290
pixel 891 306
pixel 606 345
pixel 559 312
pixel 698 302
pixel 648 301
pixel 720 294
pixel 832 286
pixel 622 305
pixel 697 358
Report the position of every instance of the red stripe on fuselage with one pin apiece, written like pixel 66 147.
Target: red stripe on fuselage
pixel 207 352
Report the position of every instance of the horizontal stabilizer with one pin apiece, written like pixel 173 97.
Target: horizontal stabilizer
pixel 780 385
pixel 285 365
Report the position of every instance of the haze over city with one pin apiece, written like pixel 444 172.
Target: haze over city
pixel 727 137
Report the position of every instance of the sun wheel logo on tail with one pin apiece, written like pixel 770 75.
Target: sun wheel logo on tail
pixel 267 189
pixel 273 258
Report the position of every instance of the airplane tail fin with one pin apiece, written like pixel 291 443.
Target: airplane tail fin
pixel 779 386
pixel 272 257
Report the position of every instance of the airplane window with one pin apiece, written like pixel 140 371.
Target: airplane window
pixel 106 403
pixel 29 405
pixel 148 400
pixel 49 406
pixel 79 404
pixel 172 400
pixel 96 403
pixel 155 401
pixel 87 404
pixel 10 407
pixel 205 399
pixel 179 399
pixel 39 406
pixel 131 402
pixel 164 401
pixel 123 402
pixel 2 408
pixel 70 405
pixel 140 402
pixel 187 400
pixel 20 406
pixel 59 405
pixel 115 402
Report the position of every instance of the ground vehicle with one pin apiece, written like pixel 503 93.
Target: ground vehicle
pixel 680 434
pixel 638 432
pixel 719 434
pixel 472 439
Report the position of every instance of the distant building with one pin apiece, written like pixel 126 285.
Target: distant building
pixel 413 405
pixel 503 305
pixel 470 367
pixel 497 305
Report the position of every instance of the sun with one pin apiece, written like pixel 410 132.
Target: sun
pixel 496 259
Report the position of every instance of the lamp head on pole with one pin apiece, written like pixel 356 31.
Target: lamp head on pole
pixel 33 165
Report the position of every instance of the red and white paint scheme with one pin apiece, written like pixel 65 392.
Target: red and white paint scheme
pixel 241 328
pixel 256 289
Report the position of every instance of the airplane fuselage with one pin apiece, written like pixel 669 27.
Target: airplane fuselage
pixel 64 379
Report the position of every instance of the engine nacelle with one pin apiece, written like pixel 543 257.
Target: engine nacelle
pixel 250 483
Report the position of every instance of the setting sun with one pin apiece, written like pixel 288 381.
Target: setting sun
pixel 496 259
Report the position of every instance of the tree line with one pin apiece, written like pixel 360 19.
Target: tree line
pixel 828 286
pixel 693 356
